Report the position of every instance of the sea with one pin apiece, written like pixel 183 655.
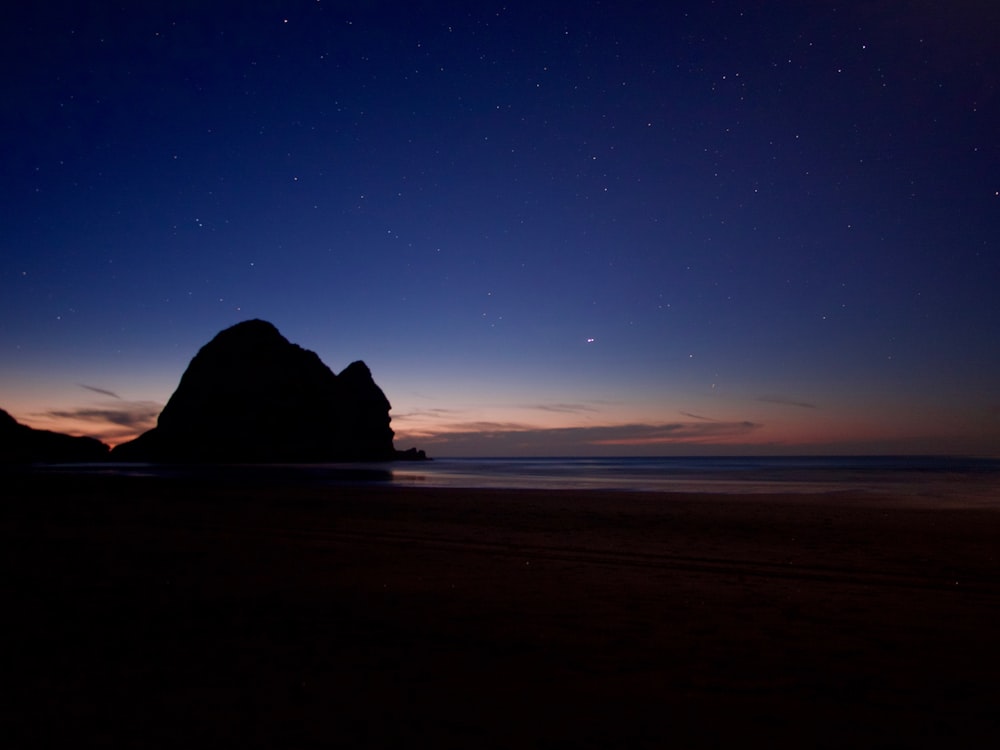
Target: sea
pixel 970 480
pixel 744 474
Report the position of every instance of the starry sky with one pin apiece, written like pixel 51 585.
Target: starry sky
pixel 549 228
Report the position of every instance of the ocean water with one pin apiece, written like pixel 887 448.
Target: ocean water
pixel 955 480
pixel 978 477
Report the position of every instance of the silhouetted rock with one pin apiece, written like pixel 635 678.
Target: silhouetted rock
pixel 251 396
pixel 20 444
pixel 411 454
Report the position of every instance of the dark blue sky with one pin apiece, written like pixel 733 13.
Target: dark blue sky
pixel 547 227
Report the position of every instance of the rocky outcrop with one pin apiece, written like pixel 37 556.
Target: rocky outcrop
pixel 20 444
pixel 251 396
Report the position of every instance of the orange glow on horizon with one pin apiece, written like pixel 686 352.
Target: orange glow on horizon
pixel 568 430
pixel 108 432
pixel 772 430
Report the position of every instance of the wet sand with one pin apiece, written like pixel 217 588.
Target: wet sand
pixel 163 613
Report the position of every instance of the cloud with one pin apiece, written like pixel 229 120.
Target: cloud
pixel 424 415
pixel 134 414
pixel 697 416
pixel 428 413
pixel 681 432
pixel 513 439
pixel 483 428
pixel 99 390
pixel 112 423
pixel 786 402
pixel 458 430
pixel 563 408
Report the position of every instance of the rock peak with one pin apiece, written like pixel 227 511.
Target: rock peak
pixel 251 396
pixel 250 329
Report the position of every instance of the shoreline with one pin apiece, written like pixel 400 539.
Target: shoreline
pixel 157 612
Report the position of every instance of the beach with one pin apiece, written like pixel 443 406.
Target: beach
pixel 161 612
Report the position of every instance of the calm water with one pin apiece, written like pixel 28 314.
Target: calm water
pixel 707 474
pixel 971 480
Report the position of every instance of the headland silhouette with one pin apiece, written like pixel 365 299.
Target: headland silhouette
pixel 248 396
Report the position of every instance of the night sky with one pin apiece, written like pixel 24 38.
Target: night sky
pixel 580 228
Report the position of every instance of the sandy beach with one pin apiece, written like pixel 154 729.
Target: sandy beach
pixel 161 613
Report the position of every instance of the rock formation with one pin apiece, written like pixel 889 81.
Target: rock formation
pixel 20 444
pixel 251 396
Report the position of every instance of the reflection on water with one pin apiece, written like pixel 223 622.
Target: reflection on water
pixel 267 475
pixel 955 480
pixel 890 474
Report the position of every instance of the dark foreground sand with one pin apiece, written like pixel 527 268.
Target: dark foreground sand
pixel 141 612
